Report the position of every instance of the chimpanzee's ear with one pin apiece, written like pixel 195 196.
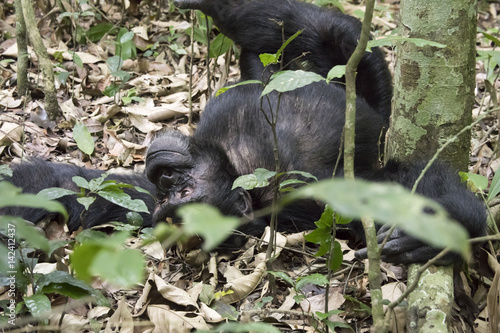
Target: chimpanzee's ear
pixel 244 204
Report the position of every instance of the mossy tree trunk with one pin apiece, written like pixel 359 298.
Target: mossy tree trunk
pixel 433 99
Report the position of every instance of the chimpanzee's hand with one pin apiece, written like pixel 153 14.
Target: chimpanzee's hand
pixel 404 249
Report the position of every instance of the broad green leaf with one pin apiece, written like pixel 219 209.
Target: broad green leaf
pixel 86 201
pixel 290 80
pixel 76 59
pixel 490 37
pixel 390 40
pixel 495 186
pixel 323 316
pixel 65 284
pixel 208 223
pixel 38 305
pixel 53 193
pixel 11 195
pixel 283 276
pixel 302 173
pixel 82 258
pixel 5 170
pixel 336 72
pixel 224 89
pixel 478 181
pixel 336 257
pixel 122 199
pixel 260 178
pixel 392 204
pixel 219 46
pixel 22 230
pixel 83 139
pixel 123 268
pixel 96 32
pixel 315 279
pixel 237 327
pixel 268 58
pixel 126 36
pixel 90 235
pixel 81 182
pixel 114 63
pixel 289 182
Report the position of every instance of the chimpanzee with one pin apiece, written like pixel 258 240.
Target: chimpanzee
pixel 233 137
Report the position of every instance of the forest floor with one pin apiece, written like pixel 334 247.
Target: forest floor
pixel 176 295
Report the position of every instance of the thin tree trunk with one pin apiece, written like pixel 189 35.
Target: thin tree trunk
pixel 433 99
pixel 22 51
pixel 51 104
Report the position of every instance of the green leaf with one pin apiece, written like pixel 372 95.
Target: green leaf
pixel 237 327
pixel 83 139
pixel 315 279
pixel 336 72
pixel 65 284
pixel 122 199
pixel 219 46
pixel 323 316
pixel 495 186
pixel 121 268
pixel 97 32
pixel 479 182
pixel 81 182
pixel 260 178
pixel 53 193
pixel 208 223
pixel 86 201
pixel 38 305
pixel 290 80
pixel 490 37
pixel 224 89
pixel 114 63
pixel 268 58
pixel 22 230
pixel 126 36
pixel 283 276
pixel 392 204
pixel 5 170
pixel 12 196
pixel 288 41
pixel 390 40
pixel 302 173
pixel 336 256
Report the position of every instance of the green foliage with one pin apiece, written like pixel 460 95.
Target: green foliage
pixel 125 46
pixel 109 260
pixel 226 88
pixel 391 40
pixel 5 170
pixel 391 204
pixel 131 97
pixel 98 31
pixel 268 58
pixel 322 235
pixel 219 46
pixel 290 80
pixel 236 327
pixel 336 72
pixel 83 138
pixel 260 178
pixel 207 222
pixel 11 195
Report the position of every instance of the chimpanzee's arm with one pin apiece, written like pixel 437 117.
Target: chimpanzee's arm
pixel 442 185
pixel 328 39
pixel 35 175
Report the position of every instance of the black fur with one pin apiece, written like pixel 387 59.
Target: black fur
pixel 233 138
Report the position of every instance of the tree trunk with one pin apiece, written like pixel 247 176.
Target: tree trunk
pixel 433 99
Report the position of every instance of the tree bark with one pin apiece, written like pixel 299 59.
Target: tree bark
pixel 22 51
pixel 51 104
pixel 433 99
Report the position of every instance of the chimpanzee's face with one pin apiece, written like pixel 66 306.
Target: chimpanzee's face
pixel 185 173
